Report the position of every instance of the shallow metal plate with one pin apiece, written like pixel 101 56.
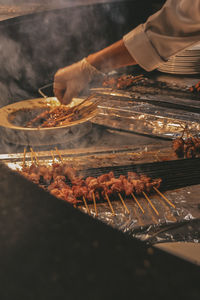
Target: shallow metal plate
pixel 19 134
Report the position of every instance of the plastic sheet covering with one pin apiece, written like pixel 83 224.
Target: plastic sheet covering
pixel 156 221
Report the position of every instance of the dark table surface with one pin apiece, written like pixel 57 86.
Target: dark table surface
pixel 49 250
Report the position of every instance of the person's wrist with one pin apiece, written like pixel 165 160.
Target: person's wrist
pixel 95 61
pixel 90 69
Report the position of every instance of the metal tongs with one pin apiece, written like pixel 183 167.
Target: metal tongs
pixel 40 90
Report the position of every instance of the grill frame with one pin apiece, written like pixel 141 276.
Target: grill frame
pixel 136 223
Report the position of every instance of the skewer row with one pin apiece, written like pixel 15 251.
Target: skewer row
pixel 34 160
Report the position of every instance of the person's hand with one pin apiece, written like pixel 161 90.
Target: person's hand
pixel 71 80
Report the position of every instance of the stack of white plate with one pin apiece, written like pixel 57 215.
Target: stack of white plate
pixel 186 62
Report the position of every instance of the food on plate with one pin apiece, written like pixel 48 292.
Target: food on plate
pixel 61 115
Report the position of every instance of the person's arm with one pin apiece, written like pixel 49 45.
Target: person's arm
pixel 112 57
pixel 172 29
pixel 71 80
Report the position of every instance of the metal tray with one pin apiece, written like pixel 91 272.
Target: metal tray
pixel 158 119
pixel 142 223
pixel 14 132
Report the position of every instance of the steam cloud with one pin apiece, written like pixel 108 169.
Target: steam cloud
pixel 46 42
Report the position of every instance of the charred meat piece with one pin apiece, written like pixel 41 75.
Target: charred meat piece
pixel 105 177
pixel 62 181
pixel 92 183
pixel 63 191
pixel 110 82
pixel 178 147
pixel 80 191
pixel 70 173
pixel 196 142
pixel 94 188
pixel 195 88
pixel 122 82
pixel 132 176
pixel 128 186
pixel 188 148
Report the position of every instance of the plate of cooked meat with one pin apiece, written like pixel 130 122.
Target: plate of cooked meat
pixel 44 121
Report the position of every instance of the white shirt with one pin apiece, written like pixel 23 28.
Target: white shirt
pixel 172 29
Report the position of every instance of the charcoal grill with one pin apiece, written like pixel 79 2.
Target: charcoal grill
pixel 172 205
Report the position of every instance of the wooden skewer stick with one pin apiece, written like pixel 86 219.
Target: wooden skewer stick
pixel 95 204
pixel 53 157
pixel 86 206
pixel 36 158
pixel 32 161
pixel 84 101
pixel 58 153
pixel 153 207
pixel 137 202
pixel 110 205
pixel 24 158
pixel 73 110
pixel 165 198
pixel 138 76
pixel 64 117
pixel 124 204
pixel 83 111
pixel 34 154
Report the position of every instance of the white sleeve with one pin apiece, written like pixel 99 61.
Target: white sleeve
pixel 172 29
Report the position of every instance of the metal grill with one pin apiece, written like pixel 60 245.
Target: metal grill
pixel 174 174
pixel 136 213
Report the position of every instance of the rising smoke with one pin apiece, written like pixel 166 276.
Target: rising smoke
pixel 33 47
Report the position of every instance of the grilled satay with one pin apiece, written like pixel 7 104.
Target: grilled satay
pixel 93 186
pixel 122 82
pixel 31 173
pixel 188 148
pixel 49 117
pixel 195 88
pixel 63 191
pixel 138 185
pixel 143 183
pixel 178 147
pixel 60 115
pixel 63 182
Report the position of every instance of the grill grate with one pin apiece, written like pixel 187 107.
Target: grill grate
pixel 139 214
pixel 174 174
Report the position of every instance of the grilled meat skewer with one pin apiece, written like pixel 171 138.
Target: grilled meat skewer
pixel 188 148
pixel 62 181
